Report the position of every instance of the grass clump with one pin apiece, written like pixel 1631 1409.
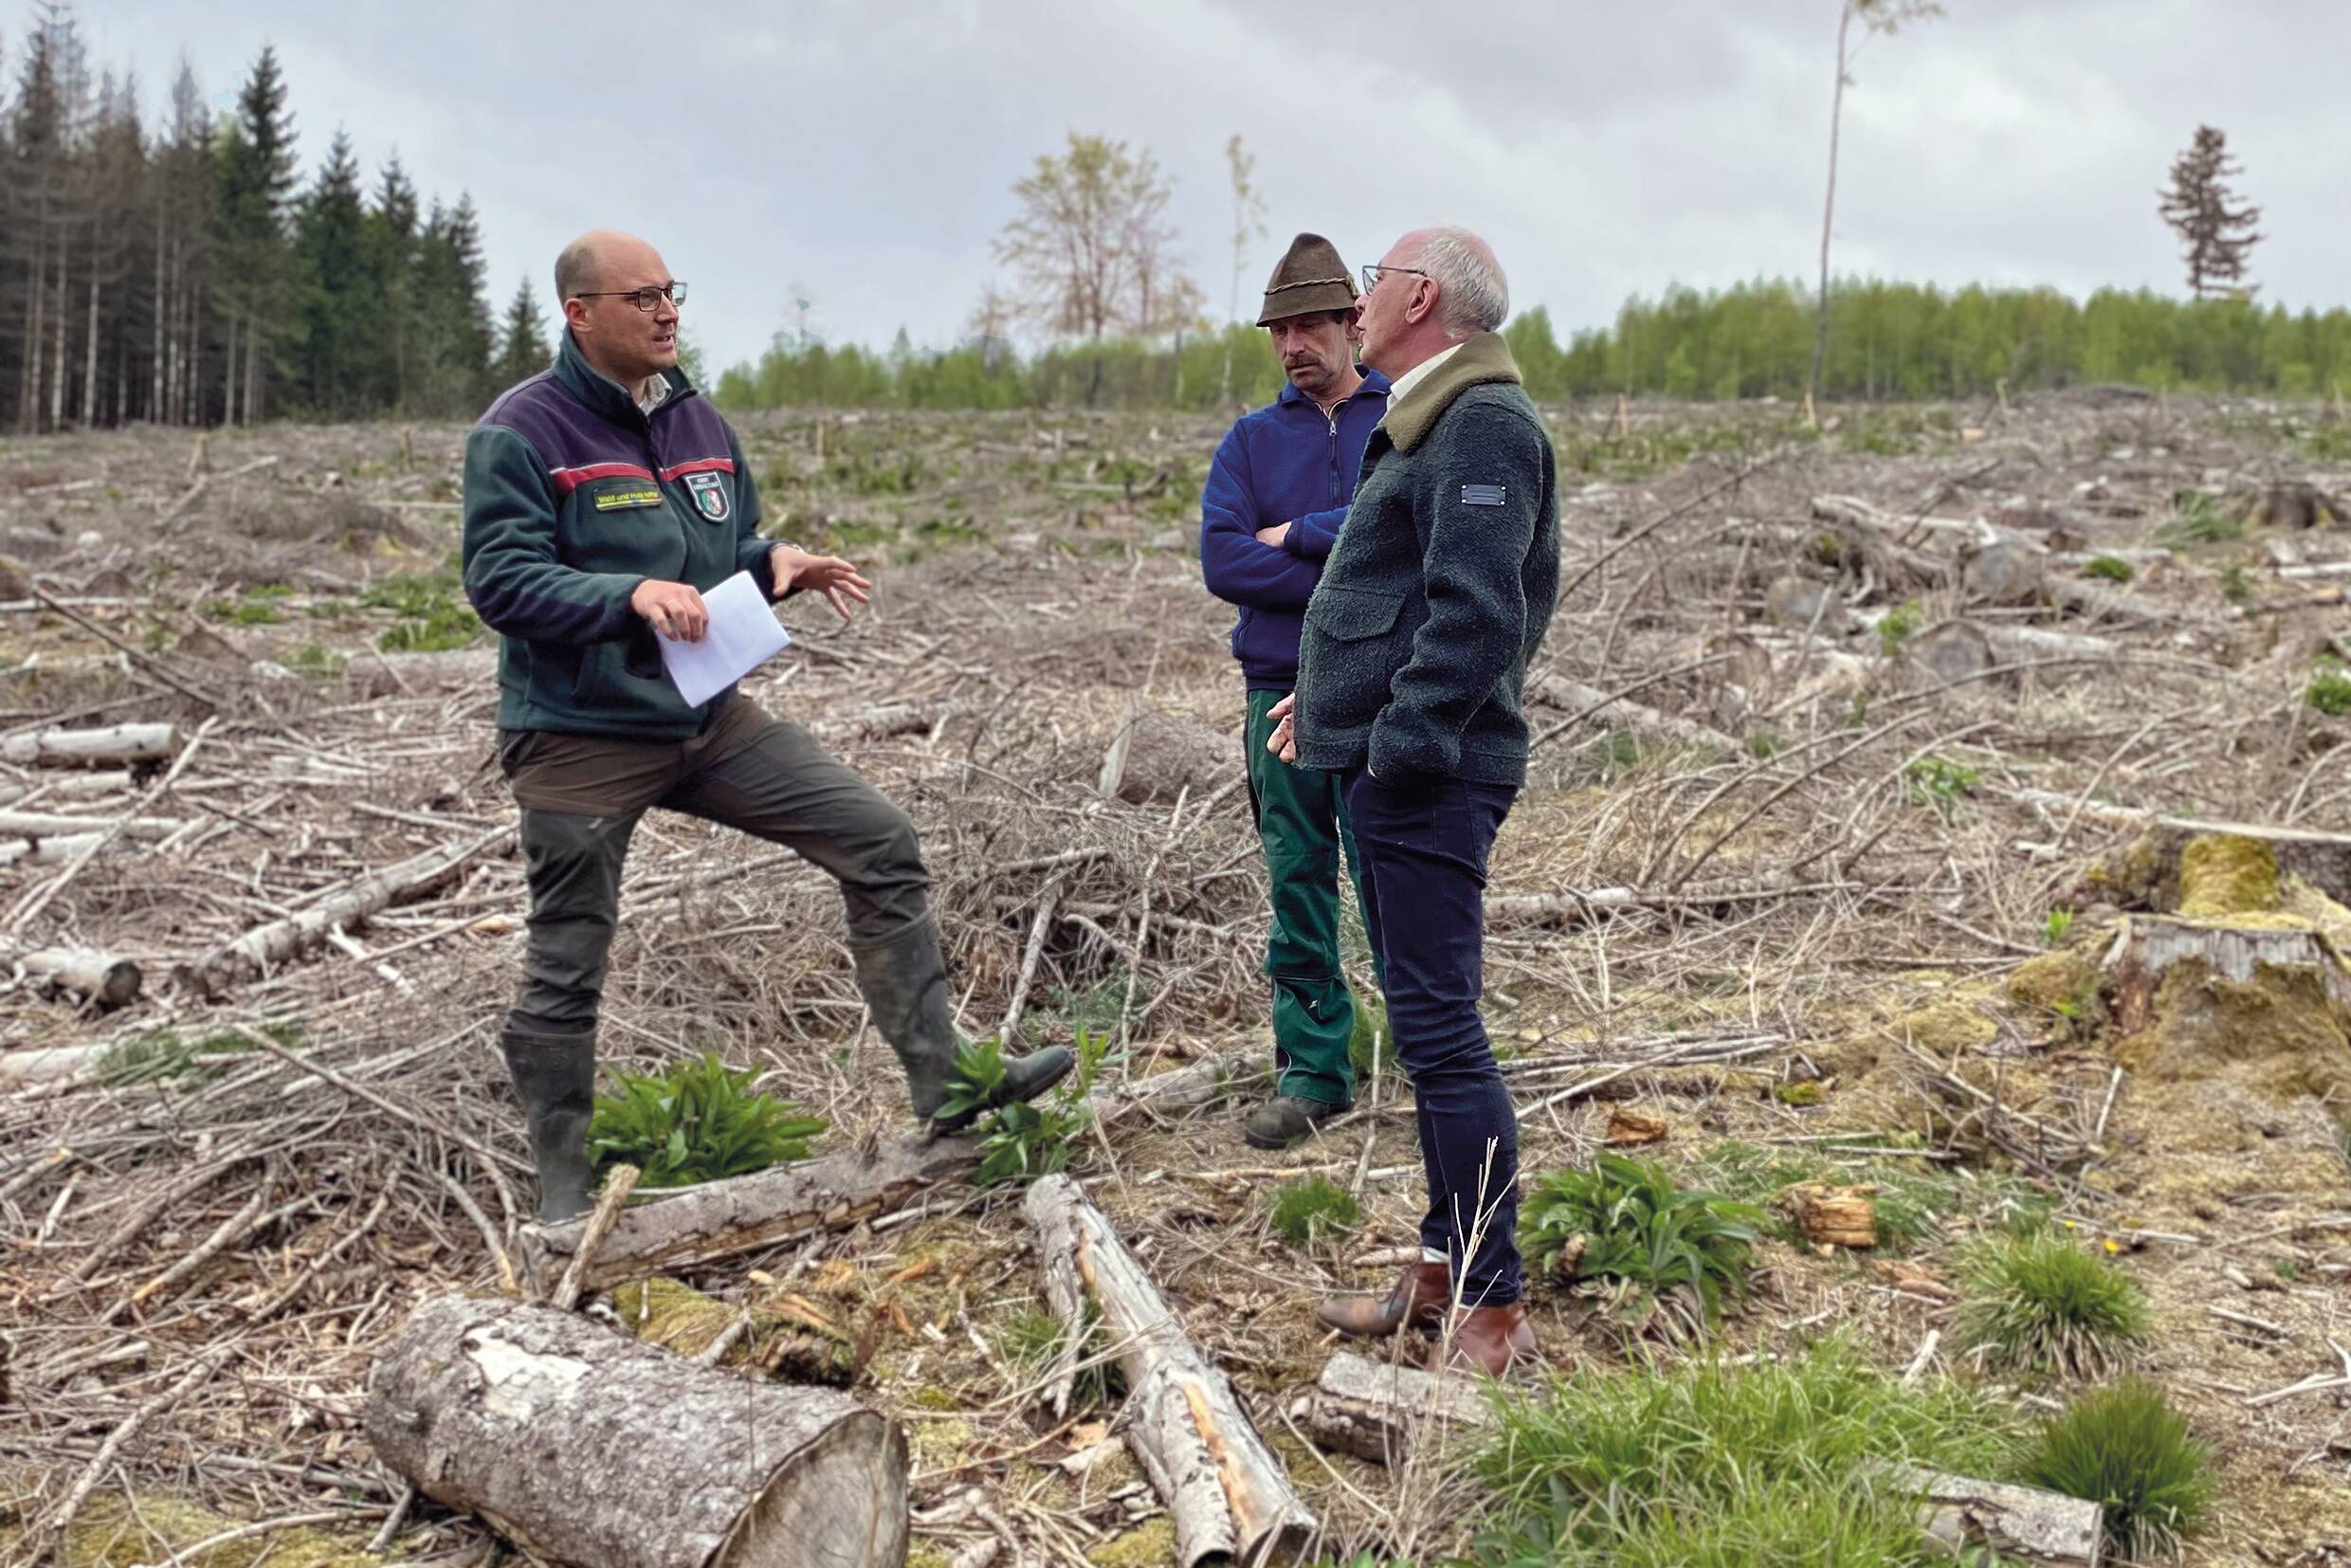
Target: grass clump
pixel 1675 1248
pixel 2199 518
pixel 1898 625
pixel 2037 1303
pixel 1911 1206
pixel 434 616
pixel 1314 1210
pixel 2126 1450
pixel 1713 1467
pixel 2054 928
pixel 1031 1339
pixel 1939 783
pixel 695 1122
pixel 2112 569
pixel 2329 692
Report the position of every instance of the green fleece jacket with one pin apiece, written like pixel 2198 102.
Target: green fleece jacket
pixel 573 498
pixel 1441 587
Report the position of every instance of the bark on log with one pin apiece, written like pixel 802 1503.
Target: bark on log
pixel 76 786
pixel 723 1219
pixel 1378 1412
pixel 97 977
pixel 2020 1524
pixel 750 1213
pixel 1156 757
pixel 41 825
pixel 584 1447
pixel 1834 1216
pixel 1945 533
pixel 1230 1498
pixel 1602 712
pixel 116 746
pixel 266 946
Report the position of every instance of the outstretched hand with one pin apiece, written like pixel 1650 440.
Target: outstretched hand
pixel 835 578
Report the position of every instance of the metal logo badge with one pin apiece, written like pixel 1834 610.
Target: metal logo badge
pixel 1483 494
pixel 709 493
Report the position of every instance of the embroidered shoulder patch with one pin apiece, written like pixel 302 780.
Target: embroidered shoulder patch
pixel 1483 494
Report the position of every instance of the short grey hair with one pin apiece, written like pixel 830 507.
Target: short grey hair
pixel 1472 294
pixel 575 268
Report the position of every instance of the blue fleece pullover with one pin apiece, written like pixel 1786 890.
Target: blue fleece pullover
pixel 1285 463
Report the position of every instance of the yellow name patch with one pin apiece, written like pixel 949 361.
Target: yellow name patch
pixel 613 500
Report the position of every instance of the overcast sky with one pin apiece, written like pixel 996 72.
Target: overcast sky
pixel 867 150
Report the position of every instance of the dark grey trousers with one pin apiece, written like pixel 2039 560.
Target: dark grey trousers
pixel 782 786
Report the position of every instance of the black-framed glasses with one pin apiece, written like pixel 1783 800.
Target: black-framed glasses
pixel 646 299
pixel 1372 269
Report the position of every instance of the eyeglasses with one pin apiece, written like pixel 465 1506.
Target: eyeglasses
pixel 646 299
pixel 1372 269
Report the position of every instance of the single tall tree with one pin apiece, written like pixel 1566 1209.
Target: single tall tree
pixel 1878 18
pixel 341 314
pixel 256 190
pixel 2218 235
pixel 1091 252
pixel 1248 222
pixel 523 350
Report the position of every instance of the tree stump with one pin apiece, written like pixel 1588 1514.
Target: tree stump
pixel 2003 574
pixel 1156 758
pixel 584 1447
pixel 1799 603
pixel 1376 1410
pixel 1834 1216
pixel 1952 652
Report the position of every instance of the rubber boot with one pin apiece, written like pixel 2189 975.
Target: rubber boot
pixel 905 983
pixel 555 1077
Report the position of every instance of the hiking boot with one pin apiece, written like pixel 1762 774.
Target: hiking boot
pixel 1417 1302
pixel 1285 1121
pixel 555 1077
pixel 904 984
pixel 1491 1340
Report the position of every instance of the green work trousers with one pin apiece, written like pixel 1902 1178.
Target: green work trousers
pixel 1303 824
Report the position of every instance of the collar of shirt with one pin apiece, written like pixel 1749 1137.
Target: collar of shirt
pixel 656 392
pixel 1403 387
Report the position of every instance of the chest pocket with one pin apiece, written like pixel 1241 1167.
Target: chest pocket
pixel 625 524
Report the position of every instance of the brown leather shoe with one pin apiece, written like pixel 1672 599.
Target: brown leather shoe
pixel 1490 1340
pixel 1418 1299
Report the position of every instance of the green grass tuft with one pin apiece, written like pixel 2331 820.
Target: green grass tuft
pixel 2112 568
pixel 1314 1210
pixel 696 1122
pixel 2038 1304
pixel 1627 1221
pixel 1031 1340
pixel 2199 518
pixel 2126 1450
pixel 1902 623
pixel 2329 692
pixel 1713 1467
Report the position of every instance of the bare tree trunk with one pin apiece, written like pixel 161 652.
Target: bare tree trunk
pixel 155 380
pixel 29 382
pixel 1827 207
pixel 89 358
pixel 57 373
pixel 228 385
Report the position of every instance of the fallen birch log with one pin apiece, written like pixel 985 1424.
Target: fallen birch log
pixel 2020 1524
pixel 266 946
pixel 1604 712
pixel 75 786
pixel 38 825
pixel 582 1445
pixel 1229 1495
pixel 60 850
pixel 97 977
pixel 750 1213
pixel 117 746
pixel 1379 1412
pixel 40 1067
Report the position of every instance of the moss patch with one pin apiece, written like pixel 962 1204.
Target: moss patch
pixel 1151 1546
pixel 2221 875
pixel 2278 1034
pixel 2043 987
pixel 106 1535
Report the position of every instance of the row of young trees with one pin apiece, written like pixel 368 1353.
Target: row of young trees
pixel 181 272
pixel 1888 341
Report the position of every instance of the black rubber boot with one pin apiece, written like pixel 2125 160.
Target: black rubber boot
pixel 555 1077
pixel 905 983
pixel 1285 1122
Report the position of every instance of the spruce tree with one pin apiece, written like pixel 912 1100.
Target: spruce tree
pixel 256 189
pixel 523 350
pixel 2218 236
pixel 342 312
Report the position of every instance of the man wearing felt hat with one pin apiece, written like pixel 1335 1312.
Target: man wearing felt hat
pixel 1276 494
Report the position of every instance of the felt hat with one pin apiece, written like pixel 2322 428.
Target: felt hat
pixel 1310 277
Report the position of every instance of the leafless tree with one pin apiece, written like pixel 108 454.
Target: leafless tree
pixel 2219 237
pixel 1091 251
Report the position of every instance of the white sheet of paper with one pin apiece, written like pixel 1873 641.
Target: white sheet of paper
pixel 744 635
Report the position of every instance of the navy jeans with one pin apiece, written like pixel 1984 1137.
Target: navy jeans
pixel 1423 843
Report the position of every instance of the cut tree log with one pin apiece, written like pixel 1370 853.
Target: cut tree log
pixel 1230 1498
pixel 41 825
pixel 2021 1524
pixel 73 786
pixel 1943 532
pixel 60 850
pixel 585 1446
pixel 1956 651
pixel 97 977
pixel 1834 1216
pixel 1378 1411
pixel 723 1219
pixel 1156 757
pixel 266 946
pixel 116 746
pixel 1604 712
pixel 39 1067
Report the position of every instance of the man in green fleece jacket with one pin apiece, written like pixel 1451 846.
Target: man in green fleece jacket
pixel 603 498
pixel 1410 678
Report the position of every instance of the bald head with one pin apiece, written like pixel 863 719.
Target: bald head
pixel 588 259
